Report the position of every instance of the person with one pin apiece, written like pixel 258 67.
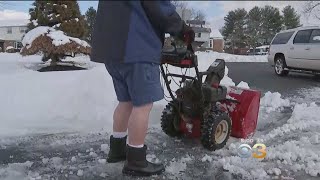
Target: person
pixel 128 37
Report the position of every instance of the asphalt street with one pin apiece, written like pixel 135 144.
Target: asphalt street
pixel 261 76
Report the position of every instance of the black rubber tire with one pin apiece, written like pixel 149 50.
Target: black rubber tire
pixel 208 127
pixel 169 118
pixel 282 62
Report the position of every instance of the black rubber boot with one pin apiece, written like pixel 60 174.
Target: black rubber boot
pixel 137 164
pixel 118 148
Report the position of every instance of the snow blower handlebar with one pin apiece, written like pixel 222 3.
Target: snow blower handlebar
pixel 182 57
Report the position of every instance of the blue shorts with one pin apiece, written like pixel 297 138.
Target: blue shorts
pixel 138 83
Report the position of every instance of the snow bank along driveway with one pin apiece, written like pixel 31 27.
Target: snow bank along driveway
pixel 83 101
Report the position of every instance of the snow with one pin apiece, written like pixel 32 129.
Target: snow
pixel 206 158
pixel 44 108
pixel 210 55
pixel 57 25
pixel 102 161
pixel 273 102
pixel 262 47
pixel 244 85
pixel 9 47
pixel 179 166
pixel 35 22
pixel 16 171
pixel 80 172
pixel 33 34
pixel 215 34
pixel 275 171
pixel 83 101
pixel 58 37
pixel 104 147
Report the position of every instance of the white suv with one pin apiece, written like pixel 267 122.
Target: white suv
pixel 296 50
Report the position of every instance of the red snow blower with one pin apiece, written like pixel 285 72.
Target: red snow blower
pixel 205 109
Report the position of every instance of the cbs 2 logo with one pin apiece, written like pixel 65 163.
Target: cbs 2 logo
pixel 257 151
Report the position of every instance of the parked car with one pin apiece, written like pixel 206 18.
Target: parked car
pixel 261 50
pixel 296 50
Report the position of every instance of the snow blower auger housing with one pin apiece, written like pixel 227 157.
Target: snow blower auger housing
pixel 205 109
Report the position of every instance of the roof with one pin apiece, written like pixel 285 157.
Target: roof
pixel 196 22
pixel 8 23
pixel 201 29
pixel 215 34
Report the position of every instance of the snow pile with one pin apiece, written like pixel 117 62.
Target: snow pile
pixel 227 81
pixel 249 168
pixel 273 102
pixel 244 85
pixel 9 47
pixel 302 153
pixel 58 37
pixel 53 102
pixel 297 157
pixel 211 55
pixel 303 117
pixel 16 171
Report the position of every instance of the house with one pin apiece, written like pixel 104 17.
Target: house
pixel 11 33
pixel 205 37
pixel 202 33
pixel 216 41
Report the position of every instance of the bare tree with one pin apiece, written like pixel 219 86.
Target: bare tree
pixel 179 4
pixel 197 15
pixel 312 8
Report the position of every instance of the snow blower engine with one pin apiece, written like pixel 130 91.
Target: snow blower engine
pixel 203 108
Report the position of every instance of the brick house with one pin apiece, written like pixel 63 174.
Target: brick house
pixel 216 41
pixel 11 34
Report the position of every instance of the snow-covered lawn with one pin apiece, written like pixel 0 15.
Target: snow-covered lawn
pixel 83 101
pixel 53 102
pixel 208 55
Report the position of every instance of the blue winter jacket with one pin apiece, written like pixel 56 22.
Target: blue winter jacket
pixel 133 31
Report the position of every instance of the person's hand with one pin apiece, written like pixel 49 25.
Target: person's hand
pixel 188 34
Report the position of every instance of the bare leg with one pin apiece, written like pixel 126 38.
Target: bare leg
pixel 118 139
pixel 121 116
pixel 138 124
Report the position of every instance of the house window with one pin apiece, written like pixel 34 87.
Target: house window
pixel 9 30
pixel 211 40
pixel 17 45
pixel 199 34
pixel 22 29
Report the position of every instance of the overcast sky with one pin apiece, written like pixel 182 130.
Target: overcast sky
pixel 214 10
